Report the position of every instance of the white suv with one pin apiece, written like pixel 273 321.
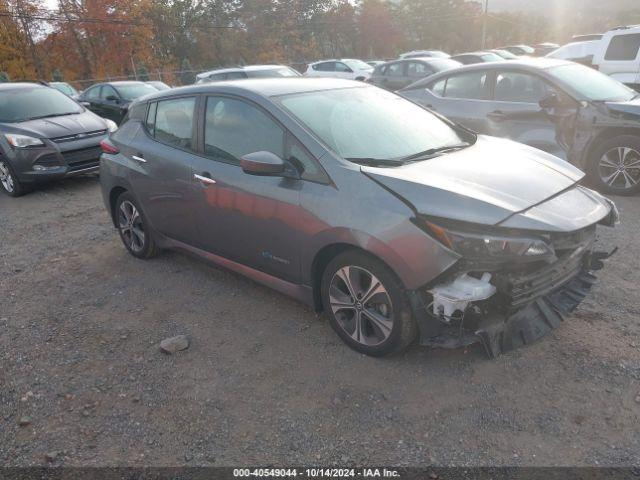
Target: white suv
pixel 348 68
pixel 618 55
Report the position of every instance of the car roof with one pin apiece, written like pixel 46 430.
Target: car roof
pixel 14 85
pixel 479 52
pixel 528 63
pixel 246 68
pixel 335 60
pixel 265 87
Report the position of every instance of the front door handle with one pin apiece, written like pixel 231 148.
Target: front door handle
pixel 205 179
pixel 497 115
pixel 138 158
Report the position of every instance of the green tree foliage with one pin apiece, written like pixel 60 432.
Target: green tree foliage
pixel 143 73
pixel 57 75
pixel 187 77
pixel 4 77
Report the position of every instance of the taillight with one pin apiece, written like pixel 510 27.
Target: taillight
pixel 107 147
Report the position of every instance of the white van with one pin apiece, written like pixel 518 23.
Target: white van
pixel 618 55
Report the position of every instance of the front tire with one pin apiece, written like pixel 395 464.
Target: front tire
pixel 9 183
pixel 367 305
pixel 133 228
pixel 614 166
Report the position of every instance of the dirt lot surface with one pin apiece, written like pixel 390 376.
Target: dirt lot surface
pixel 267 382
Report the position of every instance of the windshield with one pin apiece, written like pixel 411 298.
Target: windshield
pixel 64 88
pixel 358 65
pixel 590 84
pixel 19 105
pixel 131 92
pixel 526 48
pixel 274 72
pixel 370 123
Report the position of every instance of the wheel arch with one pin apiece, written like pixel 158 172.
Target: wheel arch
pixel 324 256
pixel 113 197
pixel 603 136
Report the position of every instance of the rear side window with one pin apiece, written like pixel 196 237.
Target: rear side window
pixel 325 67
pixel 471 86
pixel 417 69
pixel 394 70
pixel 173 123
pixel 234 128
pixel 623 47
pixel 236 75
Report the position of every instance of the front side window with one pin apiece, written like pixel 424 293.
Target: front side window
pixel 92 93
pixel 234 128
pixel 623 47
pixel 370 123
pixel 236 75
pixel 521 88
pixel 341 67
pixel 173 122
pixel 108 92
pixel 20 104
pixel 417 69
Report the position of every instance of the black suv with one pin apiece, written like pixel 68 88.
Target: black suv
pixel 45 135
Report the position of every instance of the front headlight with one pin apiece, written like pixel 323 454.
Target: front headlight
pixel 111 125
pixel 22 141
pixel 487 247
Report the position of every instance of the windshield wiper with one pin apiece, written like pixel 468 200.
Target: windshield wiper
pixel 375 162
pixel 50 115
pixel 432 151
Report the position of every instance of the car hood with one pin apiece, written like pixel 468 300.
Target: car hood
pixel 631 107
pixel 63 126
pixel 488 183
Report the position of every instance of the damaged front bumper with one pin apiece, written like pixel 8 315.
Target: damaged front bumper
pixel 526 305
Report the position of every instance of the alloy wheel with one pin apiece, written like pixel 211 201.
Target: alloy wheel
pixel 6 178
pixel 620 168
pixel 361 305
pixel 131 226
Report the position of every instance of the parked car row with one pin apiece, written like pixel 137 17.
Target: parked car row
pixel 405 224
pixel 563 108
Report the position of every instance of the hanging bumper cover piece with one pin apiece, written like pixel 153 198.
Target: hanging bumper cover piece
pixel 525 308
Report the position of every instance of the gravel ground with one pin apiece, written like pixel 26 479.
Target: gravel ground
pixel 265 381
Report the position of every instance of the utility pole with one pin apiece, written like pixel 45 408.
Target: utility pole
pixel 484 23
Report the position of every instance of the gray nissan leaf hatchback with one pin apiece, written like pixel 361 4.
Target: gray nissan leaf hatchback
pixel 396 222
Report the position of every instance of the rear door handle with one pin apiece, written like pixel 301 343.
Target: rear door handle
pixel 138 158
pixel 205 179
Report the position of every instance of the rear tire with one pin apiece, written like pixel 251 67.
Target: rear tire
pixel 614 165
pixel 135 233
pixel 367 305
pixel 9 183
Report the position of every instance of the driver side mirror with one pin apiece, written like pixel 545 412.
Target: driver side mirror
pixel 112 98
pixel 85 104
pixel 262 163
pixel 550 101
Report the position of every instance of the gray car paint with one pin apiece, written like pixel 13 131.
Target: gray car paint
pixel 570 132
pixel 299 221
pixel 72 127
